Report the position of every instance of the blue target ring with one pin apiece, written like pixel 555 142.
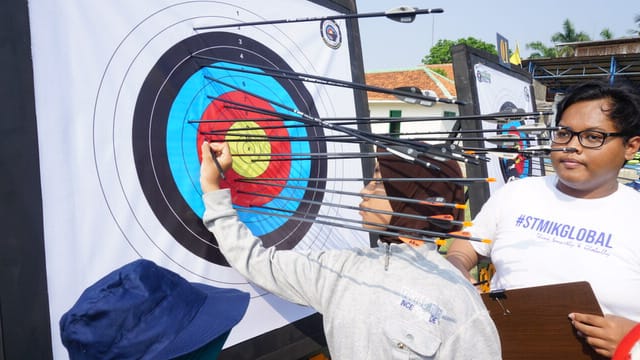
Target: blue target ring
pixel 193 97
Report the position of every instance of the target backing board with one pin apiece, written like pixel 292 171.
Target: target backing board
pixel 126 92
pixel 487 87
pixel 500 92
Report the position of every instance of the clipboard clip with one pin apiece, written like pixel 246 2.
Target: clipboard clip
pixel 498 295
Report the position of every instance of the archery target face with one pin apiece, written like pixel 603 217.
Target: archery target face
pixel 520 166
pixel 498 92
pixel 155 106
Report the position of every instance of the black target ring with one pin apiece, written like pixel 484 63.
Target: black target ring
pixel 149 139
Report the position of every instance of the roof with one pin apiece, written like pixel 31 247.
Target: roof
pixel 557 74
pixel 611 46
pixel 609 60
pixel 423 77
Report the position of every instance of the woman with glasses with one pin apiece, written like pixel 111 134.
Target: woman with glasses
pixel 578 224
pixel 394 301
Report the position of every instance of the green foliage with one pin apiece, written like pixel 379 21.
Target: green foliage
pixel 440 71
pixel 541 51
pixel 606 34
pixel 636 32
pixel 569 34
pixel 440 53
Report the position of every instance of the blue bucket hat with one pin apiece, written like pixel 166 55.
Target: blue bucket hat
pixel 144 311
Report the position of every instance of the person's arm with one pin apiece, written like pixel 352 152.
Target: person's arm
pixel 288 274
pixel 602 333
pixel 210 173
pixel 463 256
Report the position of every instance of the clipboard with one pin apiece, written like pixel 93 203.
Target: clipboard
pixel 532 322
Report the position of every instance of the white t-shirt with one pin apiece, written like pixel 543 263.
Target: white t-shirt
pixel 542 236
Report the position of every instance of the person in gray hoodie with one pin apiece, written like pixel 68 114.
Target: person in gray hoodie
pixel 394 301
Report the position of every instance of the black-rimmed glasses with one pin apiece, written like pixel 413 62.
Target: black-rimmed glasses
pixel 590 139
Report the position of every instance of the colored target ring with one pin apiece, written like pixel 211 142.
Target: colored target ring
pixel 249 142
pixel 520 166
pixel 166 143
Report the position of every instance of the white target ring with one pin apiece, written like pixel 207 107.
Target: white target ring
pixel 115 104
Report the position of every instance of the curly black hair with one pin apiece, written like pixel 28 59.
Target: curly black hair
pixel 624 99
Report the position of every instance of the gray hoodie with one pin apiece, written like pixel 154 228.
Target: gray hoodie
pixel 391 302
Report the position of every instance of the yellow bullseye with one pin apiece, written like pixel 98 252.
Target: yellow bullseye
pixel 253 145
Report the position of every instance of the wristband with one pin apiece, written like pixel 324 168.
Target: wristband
pixel 629 347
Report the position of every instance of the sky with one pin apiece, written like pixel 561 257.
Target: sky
pixel 389 45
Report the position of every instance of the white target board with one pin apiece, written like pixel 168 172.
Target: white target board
pixel 125 92
pixel 499 92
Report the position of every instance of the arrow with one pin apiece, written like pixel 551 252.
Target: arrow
pixel 432 201
pixel 403 152
pixel 440 235
pixel 412 97
pixel 344 226
pixel 263 181
pixel 530 151
pixel 381 119
pixel 403 14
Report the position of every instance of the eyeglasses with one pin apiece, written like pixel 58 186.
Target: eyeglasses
pixel 590 139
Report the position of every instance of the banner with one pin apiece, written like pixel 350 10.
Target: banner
pixel 123 92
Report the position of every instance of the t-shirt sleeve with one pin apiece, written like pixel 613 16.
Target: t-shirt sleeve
pixel 485 224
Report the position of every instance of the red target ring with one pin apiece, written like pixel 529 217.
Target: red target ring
pixel 250 145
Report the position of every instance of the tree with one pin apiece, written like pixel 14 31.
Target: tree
pixel 636 19
pixel 541 51
pixel 568 35
pixel 440 53
pixel 606 34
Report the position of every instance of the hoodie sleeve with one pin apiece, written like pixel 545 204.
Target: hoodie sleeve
pixel 289 274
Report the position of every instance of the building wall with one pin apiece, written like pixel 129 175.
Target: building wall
pixel 621 46
pixel 383 108
pixel 629 48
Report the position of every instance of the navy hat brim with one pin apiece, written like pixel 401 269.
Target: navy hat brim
pixel 221 311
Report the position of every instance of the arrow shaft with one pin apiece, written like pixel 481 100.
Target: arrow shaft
pixel 340 225
pixel 424 232
pixel 362 222
pixel 322 80
pixel 364 179
pixel 408 154
pixel 350 193
pixel 317 18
